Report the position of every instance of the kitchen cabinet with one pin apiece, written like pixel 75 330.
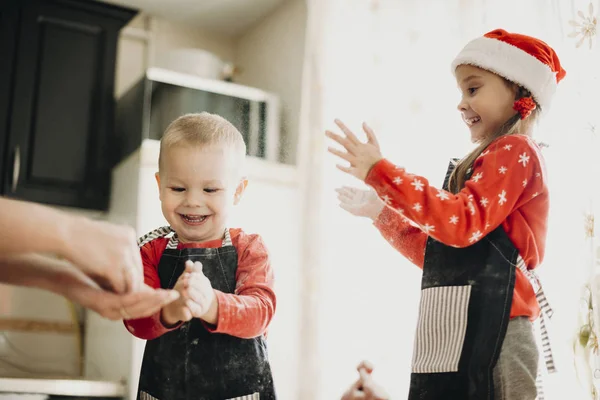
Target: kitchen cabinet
pixel 57 68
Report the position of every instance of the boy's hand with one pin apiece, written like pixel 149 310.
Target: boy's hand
pixel 179 310
pixel 201 293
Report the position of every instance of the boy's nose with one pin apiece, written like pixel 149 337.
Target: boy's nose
pixel 193 200
pixel 462 106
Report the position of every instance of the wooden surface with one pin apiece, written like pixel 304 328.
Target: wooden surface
pixel 28 325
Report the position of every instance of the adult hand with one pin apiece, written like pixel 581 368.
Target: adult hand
pixel 143 303
pixel 107 253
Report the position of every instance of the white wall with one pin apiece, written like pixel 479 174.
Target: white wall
pixel 270 56
pixel 135 53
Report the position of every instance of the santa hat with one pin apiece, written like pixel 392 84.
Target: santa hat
pixel 521 59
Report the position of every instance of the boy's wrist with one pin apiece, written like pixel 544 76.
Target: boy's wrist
pixel 212 315
pixel 166 319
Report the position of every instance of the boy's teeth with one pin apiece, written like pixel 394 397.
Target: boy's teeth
pixel 195 218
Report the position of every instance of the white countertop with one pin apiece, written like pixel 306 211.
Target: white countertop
pixel 63 387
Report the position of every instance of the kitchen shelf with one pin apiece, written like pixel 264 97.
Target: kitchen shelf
pixel 63 387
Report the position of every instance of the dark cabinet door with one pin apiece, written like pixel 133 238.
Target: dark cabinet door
pixel 62 103
pixel 9 20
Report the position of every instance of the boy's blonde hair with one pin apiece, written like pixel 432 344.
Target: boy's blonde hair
pixel 203 129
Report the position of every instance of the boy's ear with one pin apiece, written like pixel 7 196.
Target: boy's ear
pixel 239 191
pixel 157 176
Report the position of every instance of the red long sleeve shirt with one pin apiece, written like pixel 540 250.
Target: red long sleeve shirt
pixel 507 187
pixel 245 313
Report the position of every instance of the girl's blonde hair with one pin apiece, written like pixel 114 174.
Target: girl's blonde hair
pixel 514 125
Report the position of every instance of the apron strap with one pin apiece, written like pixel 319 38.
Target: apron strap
pixel 155 234
pixel 174 241
pixel 546 312
pixel 227 238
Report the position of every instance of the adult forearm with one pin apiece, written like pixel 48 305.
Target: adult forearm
pixel 35 270
pixel 30 227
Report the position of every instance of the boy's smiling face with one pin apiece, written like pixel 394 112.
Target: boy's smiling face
pixel 198 185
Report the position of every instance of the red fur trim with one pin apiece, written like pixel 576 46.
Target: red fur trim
pixel 524 106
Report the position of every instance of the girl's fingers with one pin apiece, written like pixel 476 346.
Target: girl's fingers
pixel 370 135
pixel 351 137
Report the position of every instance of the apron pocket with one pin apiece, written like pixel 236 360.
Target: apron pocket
pixel 441 329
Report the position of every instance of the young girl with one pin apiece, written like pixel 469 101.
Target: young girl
pixel 479 237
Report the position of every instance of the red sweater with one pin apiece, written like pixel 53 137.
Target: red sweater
pixel 508 188
pixel 245 314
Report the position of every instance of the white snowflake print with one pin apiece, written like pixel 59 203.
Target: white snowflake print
pixel 418 185
pixel 508 147
pixel 417 207
pixel 487 226
pixel 400 210
pixel 471 197
pixel 428 228
pixel 503 170
pixel 538 175
pixel 535 195
pixel 524 182
pixel 472 208
pixel 586 28
pixel 502 197
pixel 484 202
pixel 524 159
pixel 454 220
pixel 398 180
pixel 477 177
pixel 475 237
pixel 443 195
pixel 485 153
pixel 386 199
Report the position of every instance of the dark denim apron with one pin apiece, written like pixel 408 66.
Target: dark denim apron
pixel 190 363
pixel 465 308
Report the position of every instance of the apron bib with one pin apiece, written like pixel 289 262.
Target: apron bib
pixel 190 363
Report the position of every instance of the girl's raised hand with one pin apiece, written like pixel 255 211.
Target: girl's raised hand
pixel 361 156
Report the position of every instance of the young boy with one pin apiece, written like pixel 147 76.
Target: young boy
pixel 210 343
